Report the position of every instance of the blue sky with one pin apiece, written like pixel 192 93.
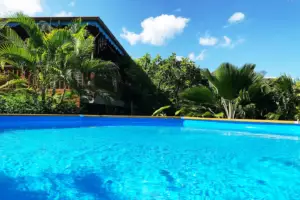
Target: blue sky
pixel 210 32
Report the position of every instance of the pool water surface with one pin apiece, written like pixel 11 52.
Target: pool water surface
pixel 147 163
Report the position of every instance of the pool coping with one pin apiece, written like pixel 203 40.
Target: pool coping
pixel 160 117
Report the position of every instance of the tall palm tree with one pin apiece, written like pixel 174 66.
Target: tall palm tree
pixel 227 83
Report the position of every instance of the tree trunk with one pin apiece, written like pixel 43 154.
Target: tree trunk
pixel 223 102
pixel 233 107
pixel 229 108
pixel 43 95
pixel 53 92
pixel 176 96
pixel 63 95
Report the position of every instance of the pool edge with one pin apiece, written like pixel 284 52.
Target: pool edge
pixel 157 117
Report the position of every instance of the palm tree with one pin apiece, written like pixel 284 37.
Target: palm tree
pixel 36 53
pixel 227 84
pixel 50 55
pixel 285 95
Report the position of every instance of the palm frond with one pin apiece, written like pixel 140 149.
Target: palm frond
pixel 4 61
pixel 12 54
pixel 3 23
pixel 57 38
pixel 285 83
pixel 76 26
pixel 229 80
pixel 14 82
pixel 219 115
pixel 178 112
pixel 160 110
pixel 10 36
pixel 30 26
pixel 226 80
pixel 199 95
pixel 273 116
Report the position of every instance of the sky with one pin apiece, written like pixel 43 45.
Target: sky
pixel 209 32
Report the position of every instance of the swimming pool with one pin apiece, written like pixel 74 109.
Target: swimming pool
pixel 147 159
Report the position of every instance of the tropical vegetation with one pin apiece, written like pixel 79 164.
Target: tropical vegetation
pixel 228 92
pixel 48 56
pixel 149 86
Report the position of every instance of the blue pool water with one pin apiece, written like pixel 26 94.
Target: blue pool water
pixel 116 161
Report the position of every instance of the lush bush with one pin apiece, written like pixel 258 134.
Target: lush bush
pixel 27 104
pixel 67 107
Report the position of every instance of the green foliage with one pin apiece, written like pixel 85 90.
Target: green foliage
pixel 168 79
pixel 285 96
pixel 207 114
pixel 10 82
pixel 229 80
pixel 273 116
pixel 231 85
pixel 160 111
pixel 30 26
pixel 199 94
pixel 297 115
pixel 14 83
pixel 171 76
pixel 219 115
pixel 140 89
pixel 24 103
pixel 178 112
pixel 55 54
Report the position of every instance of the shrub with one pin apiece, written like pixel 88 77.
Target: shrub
pixel 27 104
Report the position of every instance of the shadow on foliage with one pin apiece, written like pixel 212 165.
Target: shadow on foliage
pixel 134 88
pixel 138 88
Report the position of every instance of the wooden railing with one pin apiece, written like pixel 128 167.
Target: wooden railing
pixel 8 69
pixel 60 85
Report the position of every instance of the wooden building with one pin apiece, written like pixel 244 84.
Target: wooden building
pixel 107 47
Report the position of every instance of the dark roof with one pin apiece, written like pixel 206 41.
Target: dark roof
pixel 89 21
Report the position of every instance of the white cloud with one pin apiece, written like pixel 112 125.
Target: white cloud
pixel 199 57
pixel 179 58
pixel 156 30
pixel 208 40
pixel 231 44
pixel 177 10
pixel 191 56
pixel 29 7
pixel 72 3
pixel 236 18
pixel 270 77
pixel 131 37
pixel 227 41
pixel 63 14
